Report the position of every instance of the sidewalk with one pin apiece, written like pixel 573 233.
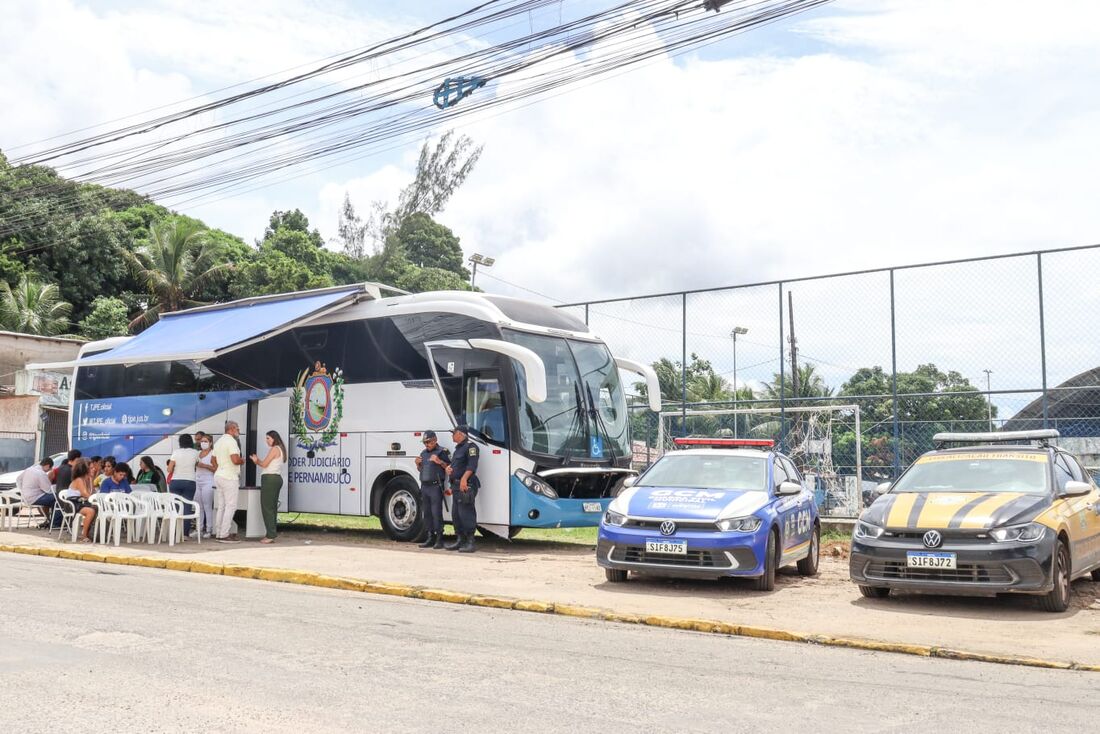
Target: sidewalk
pixel 567 574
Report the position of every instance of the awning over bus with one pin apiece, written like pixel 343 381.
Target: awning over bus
pixel 204 333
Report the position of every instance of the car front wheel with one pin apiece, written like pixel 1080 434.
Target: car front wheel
pixel 1058 598
pixel 766 581
pixel 808 565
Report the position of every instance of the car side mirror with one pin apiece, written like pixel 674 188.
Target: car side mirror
pixel 883 487
pixel 1076 489
pixel 630 482
pixel 787 489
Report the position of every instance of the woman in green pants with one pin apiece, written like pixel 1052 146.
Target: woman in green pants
pixel 271 481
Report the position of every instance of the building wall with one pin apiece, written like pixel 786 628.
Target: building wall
pixel 19 419
pixel 17 350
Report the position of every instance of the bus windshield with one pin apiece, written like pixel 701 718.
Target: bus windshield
pixel 584 414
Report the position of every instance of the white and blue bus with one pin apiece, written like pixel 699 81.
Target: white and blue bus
pixel 351 380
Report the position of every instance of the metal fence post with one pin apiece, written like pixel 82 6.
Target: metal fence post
pixel 782 379
pixel 894 377
pixel 586 314
pixel 1043 339
pixel 684 364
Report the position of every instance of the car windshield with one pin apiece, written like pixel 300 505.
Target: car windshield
pixel 584 414
pixel 708 471
pixel 1025 472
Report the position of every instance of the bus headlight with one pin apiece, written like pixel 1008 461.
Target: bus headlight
pixel 536 485
pixel 1023 533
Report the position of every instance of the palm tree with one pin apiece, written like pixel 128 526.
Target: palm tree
pixel 34 307
pixel 176 263
pixel 810 385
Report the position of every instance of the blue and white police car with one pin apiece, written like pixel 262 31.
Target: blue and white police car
pixel 712 508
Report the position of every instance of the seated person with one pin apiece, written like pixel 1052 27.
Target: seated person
pixel 119 481
pixel 34 486
pixel 150 473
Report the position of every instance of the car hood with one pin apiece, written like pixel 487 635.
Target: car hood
pixel 679 503
pixel 10 477
pixel 954 510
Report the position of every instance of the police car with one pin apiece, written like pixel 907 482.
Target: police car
pixel 712 508
pixel 984 513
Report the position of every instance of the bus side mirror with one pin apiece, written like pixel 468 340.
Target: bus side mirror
pixel 883 488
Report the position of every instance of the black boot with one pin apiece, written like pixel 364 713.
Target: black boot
pixel 454 544
pixel 467 544
pixel 429 541
pixel 438 541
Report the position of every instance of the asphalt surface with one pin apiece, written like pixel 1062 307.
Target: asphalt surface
pixel 95 648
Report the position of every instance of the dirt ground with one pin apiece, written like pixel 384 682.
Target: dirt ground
pixel 567 573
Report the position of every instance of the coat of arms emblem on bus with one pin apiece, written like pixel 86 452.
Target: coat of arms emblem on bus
pixel 318 406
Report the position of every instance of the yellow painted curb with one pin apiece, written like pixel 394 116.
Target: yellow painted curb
pixel 495 602
pixel 308 578
pixel 451 597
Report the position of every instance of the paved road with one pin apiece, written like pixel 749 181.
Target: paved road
pixel 145 650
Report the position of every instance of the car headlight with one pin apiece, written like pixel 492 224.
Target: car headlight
pixel 1019 533
pixel 867 530
pixel 614 518
pixel 740 524
pixel 536 485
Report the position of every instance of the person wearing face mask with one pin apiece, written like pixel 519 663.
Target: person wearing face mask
pixel 204 482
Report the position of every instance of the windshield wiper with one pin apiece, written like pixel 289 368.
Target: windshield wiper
pixel 600 425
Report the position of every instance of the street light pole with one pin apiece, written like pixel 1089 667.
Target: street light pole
pixel 989 398
pixel 736 330
pixel 477 259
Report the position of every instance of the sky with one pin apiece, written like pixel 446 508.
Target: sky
pixel 862 134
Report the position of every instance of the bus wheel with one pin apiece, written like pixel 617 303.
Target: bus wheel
pixel 400 512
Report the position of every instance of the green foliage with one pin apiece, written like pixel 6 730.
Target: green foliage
pixel 175 264
pixel 810 385
pixel 294 221
pixel 108 317
pixel 428 244
pixel 33 307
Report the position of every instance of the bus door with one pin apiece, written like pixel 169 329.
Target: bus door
pixel 468 376
pixel 269 414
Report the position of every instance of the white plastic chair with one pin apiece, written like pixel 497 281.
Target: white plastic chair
pixel 10 506
pixel 105 516
pixel 131 514
pixel 70 518
pixel 180 513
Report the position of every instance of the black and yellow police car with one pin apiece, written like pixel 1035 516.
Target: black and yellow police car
pixel 984 513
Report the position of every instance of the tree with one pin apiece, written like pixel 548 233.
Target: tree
pixel 175 264
pixel 33 307
pixel 440 171
pixel 351 231
pixel 295 221
pixel 108 317
pixel 810 385
pixel 428 244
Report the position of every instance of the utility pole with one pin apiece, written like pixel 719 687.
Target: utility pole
pixel 476 260
pixel 989 398
pixel 794 346
pixel 736 330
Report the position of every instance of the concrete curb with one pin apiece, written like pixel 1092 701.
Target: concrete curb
pixel 309 578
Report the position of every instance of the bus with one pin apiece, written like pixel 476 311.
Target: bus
pixel 351 379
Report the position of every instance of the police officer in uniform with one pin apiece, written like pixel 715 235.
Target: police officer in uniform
pixel 464 484
pixel 432 464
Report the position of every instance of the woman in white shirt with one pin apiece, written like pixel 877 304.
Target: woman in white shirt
pixel 271 481
pixel 181 467
pixel 204 482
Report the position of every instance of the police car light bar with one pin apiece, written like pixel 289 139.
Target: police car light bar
pixel 1042 436
pixel 725 443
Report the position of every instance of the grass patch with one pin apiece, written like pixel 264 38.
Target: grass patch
pixel 832 536
pixel 583 536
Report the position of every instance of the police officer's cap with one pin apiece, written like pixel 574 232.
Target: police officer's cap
pixel 428 436
pixel 463 429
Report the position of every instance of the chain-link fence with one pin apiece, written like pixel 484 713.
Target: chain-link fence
pixel 1000 343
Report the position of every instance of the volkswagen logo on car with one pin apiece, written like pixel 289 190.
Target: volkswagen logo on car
pixel 933 539
pixel 668 527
